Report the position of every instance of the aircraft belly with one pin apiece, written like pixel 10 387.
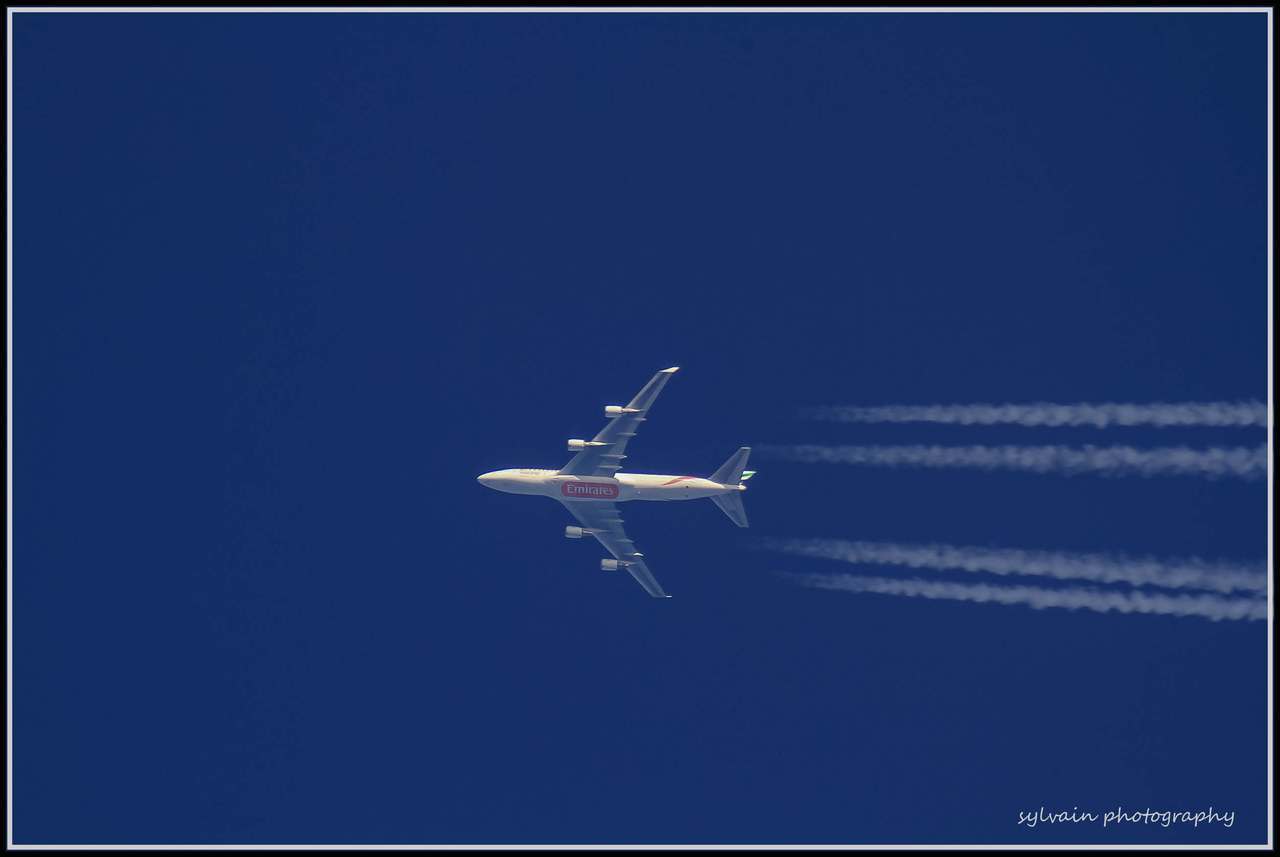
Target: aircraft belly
pixel 673 492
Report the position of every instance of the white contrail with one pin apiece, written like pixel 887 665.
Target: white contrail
pixel 1190 573
pixel 1207 606
pixel 1099 415
pixel 1239 462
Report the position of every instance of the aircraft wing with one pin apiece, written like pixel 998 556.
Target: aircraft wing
pixel 606 525
pixel 605 460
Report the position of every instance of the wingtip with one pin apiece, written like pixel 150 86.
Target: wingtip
pixel 672 370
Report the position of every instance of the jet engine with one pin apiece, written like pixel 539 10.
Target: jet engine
pixel 617 411
pixel 574 532
pixel 610 565
pixel 577 445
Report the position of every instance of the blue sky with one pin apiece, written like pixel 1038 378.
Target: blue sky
pixel 284 284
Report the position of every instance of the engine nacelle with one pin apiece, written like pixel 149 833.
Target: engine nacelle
pixel 577 445
pixel 610 565
pixel 617 411
pixel 574 532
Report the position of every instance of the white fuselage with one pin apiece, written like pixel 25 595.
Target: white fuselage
pixel 610 489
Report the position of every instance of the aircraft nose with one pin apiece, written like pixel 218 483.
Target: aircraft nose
pixel 486 479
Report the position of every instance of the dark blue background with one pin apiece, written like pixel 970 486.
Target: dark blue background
pixel 285 284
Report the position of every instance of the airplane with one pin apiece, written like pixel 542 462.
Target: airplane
pixel 590 485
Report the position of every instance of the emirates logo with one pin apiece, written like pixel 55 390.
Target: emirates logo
pixel 593 490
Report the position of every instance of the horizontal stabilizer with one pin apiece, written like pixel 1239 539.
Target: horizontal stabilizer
pixel 731 505
pixel 730 473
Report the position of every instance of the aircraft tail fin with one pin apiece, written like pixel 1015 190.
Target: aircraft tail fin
pixel 731 505
pixel 731 472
